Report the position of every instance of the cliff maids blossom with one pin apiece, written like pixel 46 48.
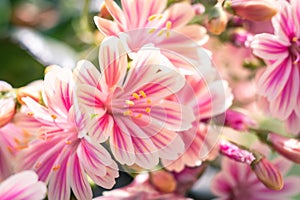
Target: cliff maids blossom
pixel 150 22
pixel 236 181
pixel 63 154
pixel 130 108
pixel 208 97
pixel 279 83
pixel 24 185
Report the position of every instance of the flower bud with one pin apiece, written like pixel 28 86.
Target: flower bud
pixel 33 90
pixel 254 10
pixel 217 20
pixel 163 181
pixel 287 147
pixel 7 103
pixel 234 152
pixel 198 8
pixel 268 174
pixel 238 120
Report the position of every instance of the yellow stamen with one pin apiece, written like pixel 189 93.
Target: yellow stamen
pixel 37 165
pixel 169 25
pixel 152 17
pixel 161 32
pixel 151 30
pixel 148 110
pixel 142 93
pixel 168 34
pixel 56 167
pixel 136 96
pixel 68 142
pixel 130 103
pixel 30 114
pixel 149 101
pixel 54 116
pixel 128 113
pixel 138 116
pixel 295 39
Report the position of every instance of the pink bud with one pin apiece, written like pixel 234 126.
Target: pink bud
pixel 234 152
pixel 217 20
pixel 7 103
pixel 238 120
pixel 268 174
pixel 254 10
pixel 198 8
pixel 288 147
pixel 163 181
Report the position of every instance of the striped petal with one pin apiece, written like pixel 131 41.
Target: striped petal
pixel 93 157
pixel 59 183
pixel 24 185
pixel 137 16
pixel 107 27
pixel 116 12
pixel 86 73
pixel 113 62
pixel 269 47
pixel 78 180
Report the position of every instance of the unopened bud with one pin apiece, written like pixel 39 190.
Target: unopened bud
pixel 238 120
pixel 198 8
pixel 7 103
pixel 268 174
pixel 163 181
pixel 217 20
pixel 287 147
pixel 234 152
pixel 32 90
pixel 254 10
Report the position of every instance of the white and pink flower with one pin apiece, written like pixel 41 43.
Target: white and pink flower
pixel 63 153
pixel 130 108
pixel 150 22
pixel 279 83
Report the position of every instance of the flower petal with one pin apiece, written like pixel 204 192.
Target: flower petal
pixel 78 180
pixel 86 73
pixel 107 27
pixel 24 185
pixel 113 61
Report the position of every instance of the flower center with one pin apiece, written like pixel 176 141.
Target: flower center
pixel 133 103
pixel 295 50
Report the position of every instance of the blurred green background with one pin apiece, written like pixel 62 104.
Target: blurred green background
pixel 38 33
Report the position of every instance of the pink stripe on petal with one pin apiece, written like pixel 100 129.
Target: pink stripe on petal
pixel 78 180
pixel 24 185
pixel 59 183
pixel 269 47
pixel 179 14
pixel 107 27
pixel 292 123
pixel 113 61
pixel 93 157
pixel 86 73
pixel 284 104
pixel 274 79
pixel 116 12
pixel 121 146
pixel 101 127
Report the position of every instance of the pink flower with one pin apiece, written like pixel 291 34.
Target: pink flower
pixel 63 153
pixel 12 139
pixel 130 108
pixel 287 147
pixel 150 22
pixel 236 181
pixel 7 103
pixel 238 121
pixel 24 185
pixel 208 97
pixel 279 83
